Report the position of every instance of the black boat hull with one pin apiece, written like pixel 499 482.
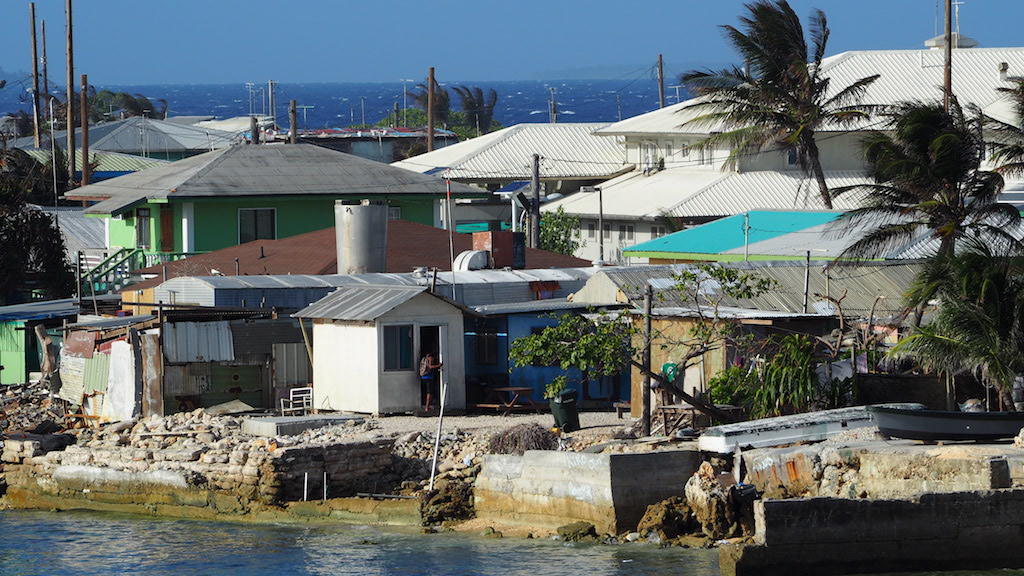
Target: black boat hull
pixel 934 425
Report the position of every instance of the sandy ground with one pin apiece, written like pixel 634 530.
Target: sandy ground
pixel 592 424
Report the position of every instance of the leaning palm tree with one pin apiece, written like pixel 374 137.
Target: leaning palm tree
pixel 442 106
pixel 781 99
pixel 479 110
pixel 927 177
pixel 1007 138
pixel 979 325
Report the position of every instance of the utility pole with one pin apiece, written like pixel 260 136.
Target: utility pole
pixel 70 123
pixel 46 79
pixel 394 124
pixel 535 204
pixel 947 87
pixel 553 107
pixel 430 110
pixel 85 130
pixel 35 75
pixel 293 134
pixel 645 394
pixel 272 101
pixel 661 82
pixel 362 110
pixel 254 131
pixel 618 104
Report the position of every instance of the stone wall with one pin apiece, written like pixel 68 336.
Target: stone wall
pixel 231 478
pixel 547 489
pixel 955 531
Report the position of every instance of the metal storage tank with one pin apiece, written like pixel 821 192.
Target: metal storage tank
pixel 361 232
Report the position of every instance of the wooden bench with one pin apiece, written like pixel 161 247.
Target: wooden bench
pixel 621 407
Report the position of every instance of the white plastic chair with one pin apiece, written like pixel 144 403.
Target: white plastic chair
pixel 299 401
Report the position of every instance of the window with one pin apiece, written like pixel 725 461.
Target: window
pixel 791 157
pixel 591 230
pixel 394 212
pixel 398 347
pixel 142 228
pixel 625 232
pixel 486 346
pixel 606 231
pixel 668 151
pixel 256 224
pixel 658 231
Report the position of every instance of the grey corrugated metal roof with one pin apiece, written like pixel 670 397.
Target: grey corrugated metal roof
pixel 104 323
pixel 80 233
pixel 531 306
pixel 267 170
pixel 858 285
pixel 360 302
pixel 568 151
pixel 198 342
pixel 140 135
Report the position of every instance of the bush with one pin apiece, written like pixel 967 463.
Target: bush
pixel 519 439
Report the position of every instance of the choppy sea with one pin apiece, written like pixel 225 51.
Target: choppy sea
pixel 336 104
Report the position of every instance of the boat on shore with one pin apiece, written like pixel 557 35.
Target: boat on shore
pixel 934 425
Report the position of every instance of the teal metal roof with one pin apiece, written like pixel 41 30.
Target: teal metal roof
pixel 733 232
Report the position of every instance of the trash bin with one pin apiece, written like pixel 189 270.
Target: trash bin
pixel 565 411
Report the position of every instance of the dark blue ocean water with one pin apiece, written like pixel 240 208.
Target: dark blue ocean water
pixel 332 105
pixel 82 543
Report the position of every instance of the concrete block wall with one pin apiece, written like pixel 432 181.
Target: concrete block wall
pixel 547 489
pixel 824 536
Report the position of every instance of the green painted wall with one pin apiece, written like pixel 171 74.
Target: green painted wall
pixel 12 353
pixel 122 231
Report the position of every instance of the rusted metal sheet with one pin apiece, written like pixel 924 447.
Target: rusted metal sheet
pixel 152 376
pixel 198 342
pixel 187 379
pixel 79 344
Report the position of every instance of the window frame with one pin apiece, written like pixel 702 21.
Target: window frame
pixel 256 235
pixel 391 334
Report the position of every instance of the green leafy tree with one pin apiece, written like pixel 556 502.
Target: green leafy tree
pixel 927 176
pixel 599 347
pixel 560 232
pixel 781 100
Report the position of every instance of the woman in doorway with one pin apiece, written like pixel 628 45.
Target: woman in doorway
pixel 428 379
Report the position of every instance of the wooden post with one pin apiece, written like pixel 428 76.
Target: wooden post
pixel 661 82
pixel 70 104
pixel 86 174
pixel 535 204
pixel 645 394
pixel 35 75
pixel 152 376
pixel 430 110
pixel 46 78
pixel 947 86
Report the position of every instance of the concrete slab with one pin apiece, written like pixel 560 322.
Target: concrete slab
pixel 292 425
pixel 782 430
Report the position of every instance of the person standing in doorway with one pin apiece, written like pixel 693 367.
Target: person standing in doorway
pixel 428 379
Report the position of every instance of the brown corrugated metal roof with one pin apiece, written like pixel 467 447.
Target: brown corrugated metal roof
pixel 410 245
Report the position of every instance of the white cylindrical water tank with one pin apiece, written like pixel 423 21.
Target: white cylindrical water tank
pixel 361 233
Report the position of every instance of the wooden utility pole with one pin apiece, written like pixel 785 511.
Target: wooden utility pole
pixel 46 78
pixel 254 130
pixel 645 394
pixel 70 123
pixel 35 75
pixel 553 108
pixel 535 204
pixel 661 82
pixel 293 135
pixel 86 175
pixel 947 87
pixel 430 110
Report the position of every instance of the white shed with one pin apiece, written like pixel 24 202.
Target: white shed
pixel 367 342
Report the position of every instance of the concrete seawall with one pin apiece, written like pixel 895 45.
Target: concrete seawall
pixel 830 536
pixel 549 489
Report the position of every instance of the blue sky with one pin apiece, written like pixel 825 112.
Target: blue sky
pixel 233 41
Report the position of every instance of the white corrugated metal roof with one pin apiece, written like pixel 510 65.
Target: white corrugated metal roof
pixel 766 189
pixel 567 151
pixel 904 75
pixel 360 302
pixel 637 196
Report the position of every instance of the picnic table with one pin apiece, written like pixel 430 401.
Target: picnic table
pixel 509 398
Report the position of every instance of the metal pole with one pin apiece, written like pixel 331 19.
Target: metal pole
pixel 293 133
pixel 535 204
pixel 600 225
pixel 947 87
pixel 440 421
pixel 430 110
pixel 661 82
pixel 807 278
pixel 86 174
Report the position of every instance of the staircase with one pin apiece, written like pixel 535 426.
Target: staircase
pixel 107 273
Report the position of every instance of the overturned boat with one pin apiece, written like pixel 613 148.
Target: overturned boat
pixel 934 425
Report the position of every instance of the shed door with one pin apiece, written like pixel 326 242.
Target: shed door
pixel 166 229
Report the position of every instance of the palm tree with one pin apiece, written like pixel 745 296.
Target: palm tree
pixel 442 105
pixel 927 176
pixel 979 326
pixel 1007 140
pixel 781 99
pixel 479 111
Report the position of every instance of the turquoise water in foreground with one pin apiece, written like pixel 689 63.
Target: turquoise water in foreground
pixel 85 543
